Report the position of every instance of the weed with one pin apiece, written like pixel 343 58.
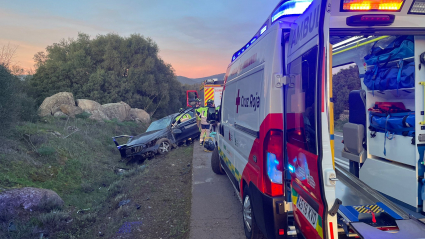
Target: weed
pixel 49 204
pixel 87 187
pixel 115 188
pixel 84 115
pixel 53 219
pixel 46 150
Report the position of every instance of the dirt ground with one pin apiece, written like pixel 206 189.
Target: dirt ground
pixel 160 200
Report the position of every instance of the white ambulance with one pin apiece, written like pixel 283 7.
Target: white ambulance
pixel 275 140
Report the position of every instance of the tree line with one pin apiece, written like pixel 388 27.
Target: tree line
pixel 109 68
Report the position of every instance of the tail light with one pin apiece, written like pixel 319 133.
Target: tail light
pixel 274 163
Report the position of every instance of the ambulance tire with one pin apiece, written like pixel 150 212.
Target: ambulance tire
pixel 251 230
pixel 215 162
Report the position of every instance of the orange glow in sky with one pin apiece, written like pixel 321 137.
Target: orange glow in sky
pixel 198 38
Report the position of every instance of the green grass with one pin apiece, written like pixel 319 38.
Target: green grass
pixel 78 165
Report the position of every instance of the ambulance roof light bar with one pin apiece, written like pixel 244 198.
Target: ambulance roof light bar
pixel 371 5
pixel 291 7
pixel 418 7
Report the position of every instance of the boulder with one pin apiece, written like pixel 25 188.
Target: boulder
pixel 94 108
pixel 28 198
pixel 51 104
pixel 139 115
pixel 60 114
pixel 88 105
pixel 71 110
pixel 119 111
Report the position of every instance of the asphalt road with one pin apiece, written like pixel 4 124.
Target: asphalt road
pixel 216 209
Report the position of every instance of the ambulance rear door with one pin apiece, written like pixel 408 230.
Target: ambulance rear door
pixel 307 141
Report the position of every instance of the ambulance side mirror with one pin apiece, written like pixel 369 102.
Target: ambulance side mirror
pixel 279 80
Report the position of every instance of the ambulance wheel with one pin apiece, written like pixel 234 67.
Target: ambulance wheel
pixel 164 146
pixel 215 162
pixel 251 229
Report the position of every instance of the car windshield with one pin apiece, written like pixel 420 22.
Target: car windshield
pixel 160 124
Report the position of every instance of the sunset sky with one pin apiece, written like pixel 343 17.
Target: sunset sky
pixel 197 37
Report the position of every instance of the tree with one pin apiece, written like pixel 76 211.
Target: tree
pixel 344 82
pixel 109 68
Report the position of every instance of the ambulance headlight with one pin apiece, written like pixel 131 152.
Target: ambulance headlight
pixel 418 7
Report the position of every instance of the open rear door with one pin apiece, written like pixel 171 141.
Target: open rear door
pixel 308 150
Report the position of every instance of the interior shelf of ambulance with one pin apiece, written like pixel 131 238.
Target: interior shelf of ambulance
pixel 387 151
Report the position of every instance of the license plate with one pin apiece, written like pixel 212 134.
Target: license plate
pixel 309 213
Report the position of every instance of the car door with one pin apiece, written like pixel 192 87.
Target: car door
pixel 185 129
pixel 307 140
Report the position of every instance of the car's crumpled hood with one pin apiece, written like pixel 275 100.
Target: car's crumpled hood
pixel 146 137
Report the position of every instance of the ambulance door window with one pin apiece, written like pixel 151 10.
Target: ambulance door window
pixel 300 113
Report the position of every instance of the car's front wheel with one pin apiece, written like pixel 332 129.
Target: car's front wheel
pixel 164 146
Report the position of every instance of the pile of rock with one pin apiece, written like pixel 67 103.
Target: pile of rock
pixel 63 104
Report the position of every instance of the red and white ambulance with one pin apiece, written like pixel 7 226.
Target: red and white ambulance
pixel 275 140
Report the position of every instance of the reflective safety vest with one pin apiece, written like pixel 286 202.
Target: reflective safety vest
pixel 182 117
pixel 202 114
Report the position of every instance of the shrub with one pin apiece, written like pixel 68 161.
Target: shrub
pixel 27 108
pixel 53 219
pixel 48 204
pixel 8 102
pixel 46 150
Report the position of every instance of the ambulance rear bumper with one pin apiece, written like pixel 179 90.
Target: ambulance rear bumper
pixel 268 213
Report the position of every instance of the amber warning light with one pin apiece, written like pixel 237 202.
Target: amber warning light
pixel 371 5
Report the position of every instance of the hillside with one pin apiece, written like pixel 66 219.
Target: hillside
pixel 190 81
pixel 103 196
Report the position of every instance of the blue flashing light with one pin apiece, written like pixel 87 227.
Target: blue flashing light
pixel 291 168
pixel 263 30
pixel 274 174
pixel 292 7
pixel 238 53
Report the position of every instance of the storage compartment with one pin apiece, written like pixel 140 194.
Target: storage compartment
pixel 393 146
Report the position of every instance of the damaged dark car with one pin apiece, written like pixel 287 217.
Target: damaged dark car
pixel 161 136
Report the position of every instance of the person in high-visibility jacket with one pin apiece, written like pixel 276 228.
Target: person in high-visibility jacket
pixel 182 118
pixel 205 126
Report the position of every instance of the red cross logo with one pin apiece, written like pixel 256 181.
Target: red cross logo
pixel 238 102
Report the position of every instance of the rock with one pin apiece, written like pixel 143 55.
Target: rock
pixel 88 105
pixel 98 115
pixel 71 110
pixel 60 114
pixel 139 115
pixel 94 108
pixel 51 104
pixel 119 111
pixel 34 199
